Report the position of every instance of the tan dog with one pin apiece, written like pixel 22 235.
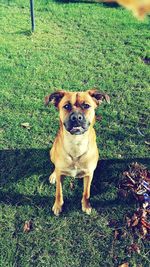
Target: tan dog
pixel 140 8
pixel 74 152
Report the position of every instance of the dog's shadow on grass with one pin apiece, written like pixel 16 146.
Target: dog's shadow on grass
pixel 106 179
pixel 17 165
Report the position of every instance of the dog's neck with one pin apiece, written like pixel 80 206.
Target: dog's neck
pixel 75 145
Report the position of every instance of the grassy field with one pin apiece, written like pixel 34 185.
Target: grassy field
pixel 76 46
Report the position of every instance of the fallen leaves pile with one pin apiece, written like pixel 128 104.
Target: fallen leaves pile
pixel 137 182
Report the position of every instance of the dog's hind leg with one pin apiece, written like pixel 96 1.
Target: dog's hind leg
pixel 52 178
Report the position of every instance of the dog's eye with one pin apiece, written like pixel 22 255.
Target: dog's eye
pixel 85 106
pixel 67 106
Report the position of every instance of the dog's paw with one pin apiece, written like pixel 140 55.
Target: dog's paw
pixel 86 207
pixel 52 178
pixel 57 209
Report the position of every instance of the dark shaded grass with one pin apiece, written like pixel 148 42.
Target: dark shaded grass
pixel 74 238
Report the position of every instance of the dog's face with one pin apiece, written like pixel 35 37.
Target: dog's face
pixel 77 109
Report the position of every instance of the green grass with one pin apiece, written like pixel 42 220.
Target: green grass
pixel 76 46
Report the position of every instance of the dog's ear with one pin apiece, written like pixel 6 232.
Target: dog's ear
pixel 54 97
pixel 98 97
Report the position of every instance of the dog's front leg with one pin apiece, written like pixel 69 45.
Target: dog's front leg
pixel 86 207
pixel 57 208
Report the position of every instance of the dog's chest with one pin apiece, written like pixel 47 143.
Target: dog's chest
pixel 76 148
pixel 75 170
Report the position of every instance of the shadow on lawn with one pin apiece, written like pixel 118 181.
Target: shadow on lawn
pixel 113 4
pixel 19 164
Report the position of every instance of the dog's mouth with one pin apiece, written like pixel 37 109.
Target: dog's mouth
pixel 77 130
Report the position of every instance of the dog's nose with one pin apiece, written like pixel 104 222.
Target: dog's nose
pixel 76 117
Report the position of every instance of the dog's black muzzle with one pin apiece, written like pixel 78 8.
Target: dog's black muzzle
pixel 76 123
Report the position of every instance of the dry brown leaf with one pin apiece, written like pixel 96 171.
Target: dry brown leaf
pixel 27 226
pixel 128 221
pixel 145 223
pixel 98 117
pixel 135 221
pixel 119 233
pixel 116 234
pixel 72 186
pixel 26 125
pixel 143 230
pixel 134 248
pixel 147 143
pixel 1 130
pixel 124 234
